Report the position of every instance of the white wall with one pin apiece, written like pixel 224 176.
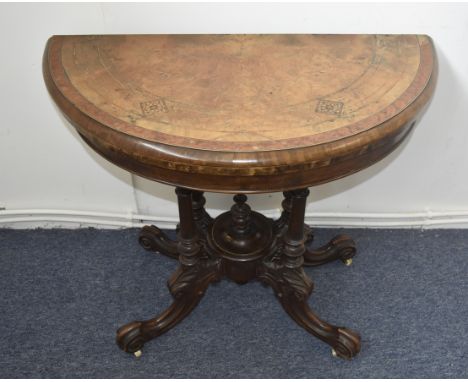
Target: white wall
pixel 49 177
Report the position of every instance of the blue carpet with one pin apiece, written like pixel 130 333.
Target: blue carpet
pixel 63 294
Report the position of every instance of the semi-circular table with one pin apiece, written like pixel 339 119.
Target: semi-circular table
pixel 242 114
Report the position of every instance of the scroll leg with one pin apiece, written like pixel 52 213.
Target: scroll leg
pixel 153 239
pixel 292 288
pixel 187 286
pixel 340 247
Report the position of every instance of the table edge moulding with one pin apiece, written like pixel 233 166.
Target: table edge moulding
pixel 254 171
pixel 242 114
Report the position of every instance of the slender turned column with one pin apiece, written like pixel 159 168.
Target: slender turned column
pixel 241 222
pixel 283 220
pixel 200 216
pixel 187 246
pixel 294 247
pixel 286 204
pixel 198 202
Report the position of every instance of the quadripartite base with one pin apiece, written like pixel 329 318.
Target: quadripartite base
pixel 243 245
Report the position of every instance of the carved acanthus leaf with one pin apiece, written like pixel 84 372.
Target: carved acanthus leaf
pixel 297 282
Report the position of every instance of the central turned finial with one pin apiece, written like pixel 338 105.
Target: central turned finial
pixel 241 237
pixel 241 216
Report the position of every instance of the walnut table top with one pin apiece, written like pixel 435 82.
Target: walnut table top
pixel 242 113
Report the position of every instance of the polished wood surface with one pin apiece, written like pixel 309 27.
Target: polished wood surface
pixel 245 113
pixel 242 113
pixel 243 92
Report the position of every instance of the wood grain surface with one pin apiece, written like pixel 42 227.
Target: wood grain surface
pixel 247 113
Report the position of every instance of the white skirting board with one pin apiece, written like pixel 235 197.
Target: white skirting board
pixel 41 218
